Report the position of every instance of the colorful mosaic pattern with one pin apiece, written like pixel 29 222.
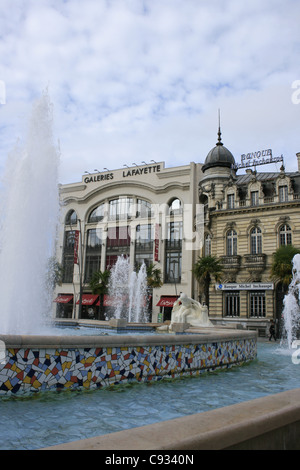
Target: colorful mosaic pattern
pixel 26 370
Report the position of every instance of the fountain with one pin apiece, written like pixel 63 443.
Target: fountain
pixel 291 310
pixel 128 291
pixel 32 359
pixel 28 222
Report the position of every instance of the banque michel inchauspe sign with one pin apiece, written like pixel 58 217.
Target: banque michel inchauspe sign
pixel 260 157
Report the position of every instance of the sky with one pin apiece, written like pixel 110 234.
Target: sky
pixel 138 80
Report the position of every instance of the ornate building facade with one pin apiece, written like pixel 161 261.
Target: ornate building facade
pixel 247 218
pixel 148 213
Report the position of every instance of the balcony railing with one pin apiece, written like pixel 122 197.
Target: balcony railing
pixel 255 260
pixel 231 262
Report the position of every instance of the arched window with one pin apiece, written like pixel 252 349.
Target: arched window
pixel 285 235
pixel 97 214
pixel 175 207
pixel 231 243
pixel 71 218
pixel 255 241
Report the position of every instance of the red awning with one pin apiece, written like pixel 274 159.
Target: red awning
pixel 88 299
pixel 63 298
pixel 107 301
pixel 166 302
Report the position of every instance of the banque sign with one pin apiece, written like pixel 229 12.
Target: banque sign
pixel 260 157
pixel 129 172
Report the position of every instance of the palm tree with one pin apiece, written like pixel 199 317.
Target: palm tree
pixel 153 276
pixel 206 268
pixel 282 266
pixel 99 284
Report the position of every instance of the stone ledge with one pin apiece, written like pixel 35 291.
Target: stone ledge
pixel 196 335
pixel 268 423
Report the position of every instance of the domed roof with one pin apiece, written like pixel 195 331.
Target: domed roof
pixel 219 156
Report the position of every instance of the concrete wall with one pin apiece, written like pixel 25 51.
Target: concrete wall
pixel 268 423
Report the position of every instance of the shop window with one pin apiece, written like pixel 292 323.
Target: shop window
pixel 232 304
pixel 257 304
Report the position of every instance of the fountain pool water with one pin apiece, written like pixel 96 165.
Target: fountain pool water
pixel 291 310
pixel 51 418
pixel 28 221
pixel 128 291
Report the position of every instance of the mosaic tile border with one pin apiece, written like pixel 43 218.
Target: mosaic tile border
pixel 28 370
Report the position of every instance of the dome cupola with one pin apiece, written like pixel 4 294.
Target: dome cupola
pixel 219 156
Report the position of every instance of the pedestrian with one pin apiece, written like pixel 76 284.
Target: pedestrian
pixel 272 331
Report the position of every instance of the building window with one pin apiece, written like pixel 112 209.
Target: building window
pixel 254 198
pixel 117 244
pixel 257 304
pixel 207 246
pixel 173 253
pixel 143 209
pixel 255 241
pixel 144 244
pixel 230 201
pixel 121 208
pixel 71 218
pixel 93 253
pixel 175 207
pixel 283 193
pixel 285 235
pixel 232 304
pixel 231 241
pixel 97 214
pixel 68 256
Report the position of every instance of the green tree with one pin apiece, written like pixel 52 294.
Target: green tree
pixel 54 273
pixel 205 269
pixel 153 276
pixel 282 265
pixel 99 284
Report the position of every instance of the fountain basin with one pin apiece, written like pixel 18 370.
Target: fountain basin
pixel 42 363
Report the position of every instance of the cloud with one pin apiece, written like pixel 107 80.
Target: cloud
pixel 136 80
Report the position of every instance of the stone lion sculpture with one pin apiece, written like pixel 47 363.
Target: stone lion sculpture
pixel 188 310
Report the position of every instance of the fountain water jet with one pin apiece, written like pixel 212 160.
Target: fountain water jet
pixel 30 207
pixel 128 290
pixel 291 310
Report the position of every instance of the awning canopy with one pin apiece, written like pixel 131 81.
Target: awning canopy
pixel 63 298
pixel 166 302
pixel 88 299
pixel 107 301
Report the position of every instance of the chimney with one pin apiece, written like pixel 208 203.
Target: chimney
pixel 298 158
